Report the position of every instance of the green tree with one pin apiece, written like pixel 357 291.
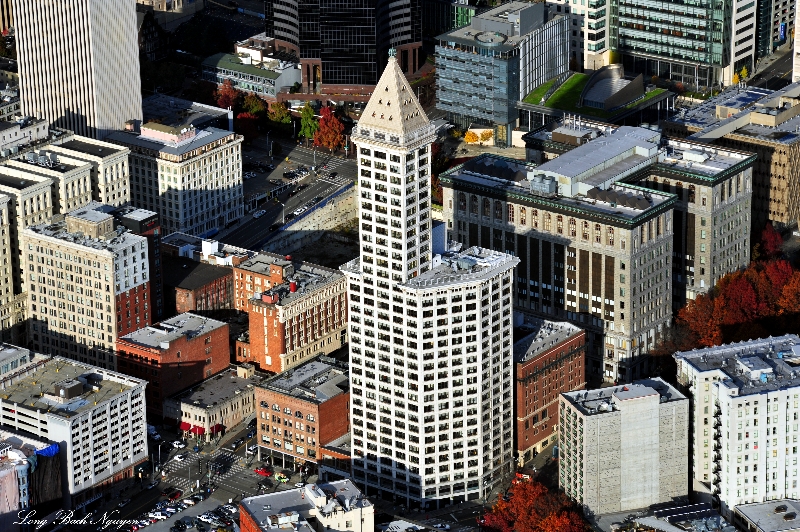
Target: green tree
pixel 308 122
pixel 279 114
pixel 254 105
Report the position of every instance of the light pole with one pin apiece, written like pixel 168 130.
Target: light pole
pixel 283 212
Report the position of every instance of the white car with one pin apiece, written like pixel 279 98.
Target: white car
pixel 207 518
pixel 231 508
pixel 259 214
pixel 179 457
pixel 177 444
pixel 252 449
pixel 157 515
pixel 188 502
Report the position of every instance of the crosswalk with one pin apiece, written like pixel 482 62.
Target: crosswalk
pixel 184 475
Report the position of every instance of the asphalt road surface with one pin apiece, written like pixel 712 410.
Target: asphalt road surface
pixel 777 74
pixel 251 233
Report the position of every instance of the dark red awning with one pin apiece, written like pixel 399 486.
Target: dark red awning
pixel 185 426
pixel 216 428
pixel 198 430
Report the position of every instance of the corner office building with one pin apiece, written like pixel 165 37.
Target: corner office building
pixel 430 335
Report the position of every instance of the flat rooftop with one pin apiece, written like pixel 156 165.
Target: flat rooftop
pixel 128 211
pixel 734 97
pixel 606 400
pixel 178 112
pixel 53 162
pixel 99 149
pixel 308 278
pixel 472 35
pixel 98 385
pixel 202 138
pixel 10 353
pixel 186 325
pixel 188 274
pixel 544 336
pixel 699 158
pixel 291 509
pixel 218 388
pixel 12 179
pixel 750 367
pixel 479 173
pixel 343 444
pixel 235 63
pixel 58 230
pixel 316 381
pixel 185 242
pixel 777 515
pixel 463 266
pixel 90 213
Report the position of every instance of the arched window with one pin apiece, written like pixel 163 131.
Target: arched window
pixel 522 215
pixel 473 205
pixel 572 228
pixel 535 219
pixel 560 225
pixel 511 209
pixel 462 201
pixel 487 209
pixel 610 236
pixel 498 210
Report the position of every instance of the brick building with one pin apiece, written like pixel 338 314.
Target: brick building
pixel 191 286
pixel 549 361
pixel 296 310
pixel 204 250
pixel 301 410
pixel 174 354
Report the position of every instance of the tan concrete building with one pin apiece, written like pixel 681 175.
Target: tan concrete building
pixel 191 178
pixel 12 303
pixel 592 250
pixel 71 178
pixel 110 168
pixel 218 404
pixel 760 121
pixel 87 77
pixel 88 284
pixel 624 448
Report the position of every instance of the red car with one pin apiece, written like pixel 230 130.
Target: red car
pixel 263 471
pixel 176 495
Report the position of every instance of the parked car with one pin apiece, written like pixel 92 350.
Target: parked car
pixel 189 502
pixel 167 491
pixel 251 433
pixel 252 449
pixel 231 508
pixel 180 457
pixel 153 484
pixel 176 495
pixel 123 503
pixel 157 515
pixel 299 484
pixel 177 444
pixel 441 526
pixel 259 214
pixel 207 518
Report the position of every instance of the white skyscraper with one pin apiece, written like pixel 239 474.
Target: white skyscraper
pixel 79 63
pixel 430 330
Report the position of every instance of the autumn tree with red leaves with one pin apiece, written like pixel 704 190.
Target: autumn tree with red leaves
pixel 771 242
pixel 228 96
pixel 534 508
pixel 330 132
pixel 246 124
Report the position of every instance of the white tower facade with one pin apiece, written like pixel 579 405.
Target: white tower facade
pixel 79 63
pixel 430 329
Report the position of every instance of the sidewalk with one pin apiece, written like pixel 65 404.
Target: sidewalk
pixel 767 62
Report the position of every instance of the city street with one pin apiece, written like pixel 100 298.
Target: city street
pixel 777 73
pixel 251 233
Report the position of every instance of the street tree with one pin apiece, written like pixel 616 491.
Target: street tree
pixel 329 134
pixel 308 122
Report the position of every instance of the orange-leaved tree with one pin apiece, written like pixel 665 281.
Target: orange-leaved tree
pixel 531 508
pixel 329 133
pixel 228 96
pixel 698 315
pixel 471 137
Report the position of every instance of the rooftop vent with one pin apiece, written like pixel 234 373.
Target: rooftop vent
pixel 780 509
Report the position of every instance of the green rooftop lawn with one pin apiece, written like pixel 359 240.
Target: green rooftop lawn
pixel 567 95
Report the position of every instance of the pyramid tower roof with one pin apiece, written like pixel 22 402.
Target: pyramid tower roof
pixel 393 108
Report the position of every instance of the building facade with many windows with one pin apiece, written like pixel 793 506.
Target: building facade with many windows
pixel 430 334
pixel 745 410
pixel 87 283
pixel 191 178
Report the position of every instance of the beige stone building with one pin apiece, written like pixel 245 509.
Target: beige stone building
pixel 191 178
pixel 71 178
pixel 88 283
pixel 218 404
pixel 624 448
pixel 110 168
pixel 592 250
pixel 12 303
pixel 760 121
pixel 87 77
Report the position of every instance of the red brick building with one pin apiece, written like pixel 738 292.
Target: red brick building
pixel 302 410
pixel 548 361
pixel 192 286
pixel 174 355
pixel 296 311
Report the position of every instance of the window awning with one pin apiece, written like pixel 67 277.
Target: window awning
pixel 216 428
pixel 198 430
pixel 185 425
